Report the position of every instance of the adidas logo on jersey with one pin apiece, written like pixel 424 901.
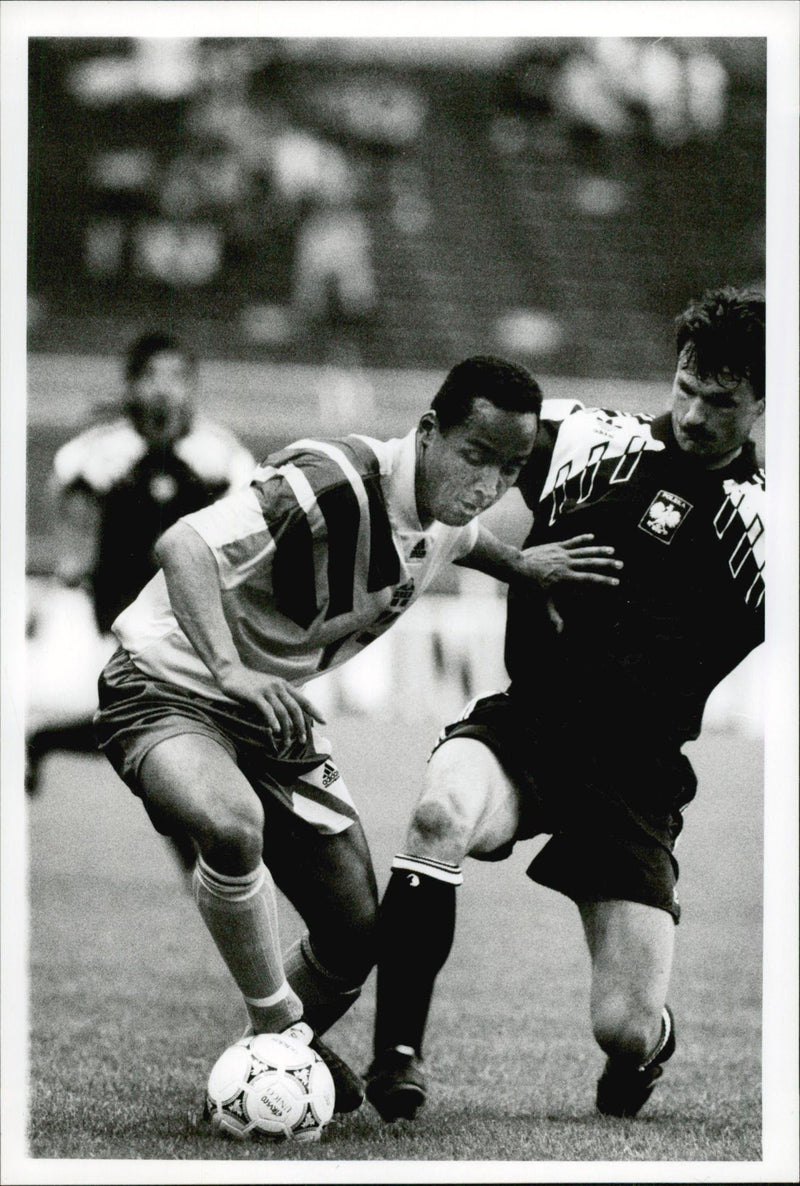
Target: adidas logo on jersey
pixel 419 551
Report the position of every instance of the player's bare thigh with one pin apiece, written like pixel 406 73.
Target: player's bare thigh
pixel 468 804
pixel 191 782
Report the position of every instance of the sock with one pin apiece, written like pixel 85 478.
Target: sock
pixel 416 925
pixel 666 1030
pixel 242 916
pixel 325 996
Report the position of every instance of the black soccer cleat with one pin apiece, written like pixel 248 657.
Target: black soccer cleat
pixel 396 1085
pixel 348 1086
pixel 622 1089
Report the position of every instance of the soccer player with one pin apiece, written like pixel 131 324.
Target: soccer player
pixel 585 744
pixel 120 484
pixel 203 710
pixel 123 482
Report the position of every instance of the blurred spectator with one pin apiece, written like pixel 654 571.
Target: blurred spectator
pixel 333 275
pixel 159 68
pixel 381 112
pixel 614 87
pixel 118 485
pixel 333 280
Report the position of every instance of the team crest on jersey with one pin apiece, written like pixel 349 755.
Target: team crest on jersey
pixel 664 516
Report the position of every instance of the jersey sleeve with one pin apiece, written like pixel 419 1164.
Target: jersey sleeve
pixel 268 532
pixel 97 459
pixel 554 413
pixel 238 534
pixel 215 456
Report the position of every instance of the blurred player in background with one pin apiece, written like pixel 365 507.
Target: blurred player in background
pixel 606 688
pixel 202 709
pixel 118 486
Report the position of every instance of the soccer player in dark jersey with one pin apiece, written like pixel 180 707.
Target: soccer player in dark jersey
pixel 607 685
pixel 121 483
pixel 203 710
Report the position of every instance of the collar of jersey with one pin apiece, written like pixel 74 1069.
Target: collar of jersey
pixel 402 496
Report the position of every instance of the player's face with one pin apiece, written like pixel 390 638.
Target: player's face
pixel 712 420
pixel 162 394
pixel 465 469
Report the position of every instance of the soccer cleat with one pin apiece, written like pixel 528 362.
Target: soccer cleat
pixel 396 1084
pixel 622 1090
pixel 348 1086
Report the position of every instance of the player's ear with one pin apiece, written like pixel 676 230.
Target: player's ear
pixel 428 425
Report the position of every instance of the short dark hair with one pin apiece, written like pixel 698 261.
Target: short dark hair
pixel 505 384
pixel 724 336
pixel 143 348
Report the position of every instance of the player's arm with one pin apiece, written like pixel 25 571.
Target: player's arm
pixel 573 560
pixel 78 535
pixel 192 577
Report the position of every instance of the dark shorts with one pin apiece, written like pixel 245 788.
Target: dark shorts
pixel 136 712
pixel 610 801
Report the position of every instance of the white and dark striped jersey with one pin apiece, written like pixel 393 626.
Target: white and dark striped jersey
pixel 140 490
pixel 316 558
pixel 690 606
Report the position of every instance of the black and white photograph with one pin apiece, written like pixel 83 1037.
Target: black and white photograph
pixel 399 728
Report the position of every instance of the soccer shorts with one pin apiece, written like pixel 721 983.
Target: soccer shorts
pixel 136 712
pixel 611 807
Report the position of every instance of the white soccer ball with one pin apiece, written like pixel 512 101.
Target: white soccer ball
pixel 270 1086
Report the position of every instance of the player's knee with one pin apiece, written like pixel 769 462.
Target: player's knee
pixel 626 1025
pixel 232 838
pixel 441 827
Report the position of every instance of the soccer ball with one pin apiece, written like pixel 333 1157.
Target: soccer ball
pixel 271 1086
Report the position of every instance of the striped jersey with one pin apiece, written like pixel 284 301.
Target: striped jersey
pixel 316 558
pixel 644 656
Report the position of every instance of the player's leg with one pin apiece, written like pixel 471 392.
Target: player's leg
pixel 631 947
pixel 468 806
pixel 192 786
pixel 330 881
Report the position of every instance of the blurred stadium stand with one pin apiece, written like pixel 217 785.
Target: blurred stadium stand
pixel 333 223
pixel 467 195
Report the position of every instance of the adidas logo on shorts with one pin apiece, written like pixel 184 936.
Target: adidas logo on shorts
pixel 329 774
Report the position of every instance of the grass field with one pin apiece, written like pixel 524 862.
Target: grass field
pixel 130 1003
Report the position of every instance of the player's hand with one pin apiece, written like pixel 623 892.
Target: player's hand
pixel 571 561
pixel 282 704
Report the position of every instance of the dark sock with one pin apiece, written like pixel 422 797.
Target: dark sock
pixel 416 925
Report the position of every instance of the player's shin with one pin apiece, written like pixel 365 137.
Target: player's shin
pixel 325 996
pixel 241 915
pixel 416 925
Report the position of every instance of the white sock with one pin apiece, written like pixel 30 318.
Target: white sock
pixel 242 917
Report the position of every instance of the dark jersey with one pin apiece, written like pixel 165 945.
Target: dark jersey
pixel 141 490
pixel 638 660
